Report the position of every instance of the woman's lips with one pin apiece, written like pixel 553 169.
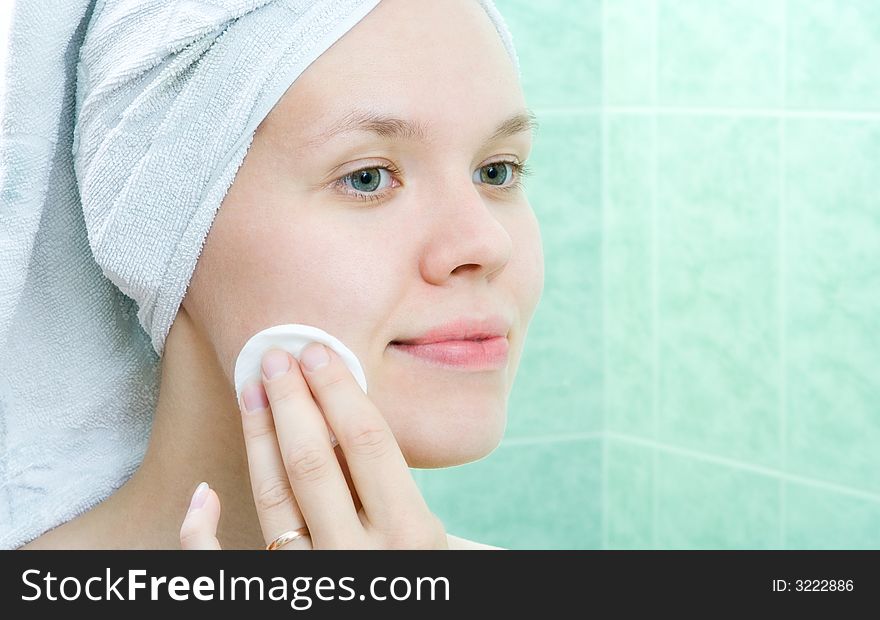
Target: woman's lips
pixel 488 354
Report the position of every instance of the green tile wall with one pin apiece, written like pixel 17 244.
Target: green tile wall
pixel 832 253
pixel 715 268
pixel 833 59
pixel 525 495
pixel 703 370
pixel 721 53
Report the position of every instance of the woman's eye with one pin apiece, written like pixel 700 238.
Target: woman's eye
pixel 495 173
pixel 367 180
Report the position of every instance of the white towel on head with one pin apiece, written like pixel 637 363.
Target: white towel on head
pixel 125 122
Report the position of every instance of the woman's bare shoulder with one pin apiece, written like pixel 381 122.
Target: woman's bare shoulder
pixel 456 542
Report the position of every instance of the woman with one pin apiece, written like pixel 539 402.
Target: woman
pixel 380 199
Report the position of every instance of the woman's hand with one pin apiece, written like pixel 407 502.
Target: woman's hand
pixel 295 475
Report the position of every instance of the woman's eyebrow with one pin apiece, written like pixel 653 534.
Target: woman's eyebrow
pixel 395 128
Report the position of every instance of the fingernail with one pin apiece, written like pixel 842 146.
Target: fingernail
pixel 254 397
pixel 314 357
pixel 199 497
pixel 275 363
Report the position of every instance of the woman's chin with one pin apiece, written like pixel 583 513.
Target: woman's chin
pixel 445 445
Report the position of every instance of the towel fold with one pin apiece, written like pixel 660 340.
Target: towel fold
pixel 125 123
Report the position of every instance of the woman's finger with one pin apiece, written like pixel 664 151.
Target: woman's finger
pixel 199 529
pixel 390 496
pixel 312 469
pixel 273 498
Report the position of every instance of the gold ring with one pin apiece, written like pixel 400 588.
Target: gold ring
pixel 287 537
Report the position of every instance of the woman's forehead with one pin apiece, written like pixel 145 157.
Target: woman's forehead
pixel 403 77
pixel 407 46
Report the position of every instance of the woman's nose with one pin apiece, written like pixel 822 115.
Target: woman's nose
pixel 468 228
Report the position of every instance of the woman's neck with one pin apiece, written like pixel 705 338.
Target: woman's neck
pixel 196 436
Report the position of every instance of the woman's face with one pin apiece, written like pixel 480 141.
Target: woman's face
pixel 437 234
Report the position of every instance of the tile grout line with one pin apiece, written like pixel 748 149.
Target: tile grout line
pixel 654 284
pixel 603 496
pixel 740 465
pixel 781 231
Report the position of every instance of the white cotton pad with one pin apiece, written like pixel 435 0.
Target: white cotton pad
pixel 292 337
